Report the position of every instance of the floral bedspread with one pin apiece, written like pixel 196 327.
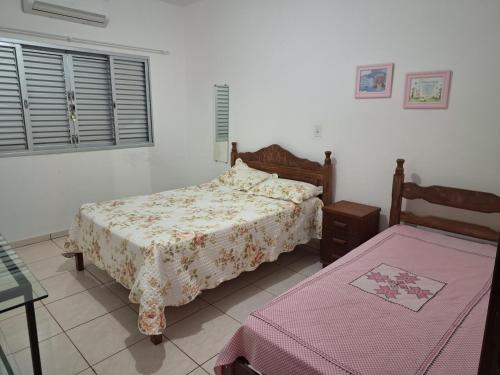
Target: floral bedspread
pixel 167 247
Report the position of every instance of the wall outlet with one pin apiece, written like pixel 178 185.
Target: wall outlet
pixel 318 130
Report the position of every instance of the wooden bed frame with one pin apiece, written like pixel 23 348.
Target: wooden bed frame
pixel 451 197
pixel 274 159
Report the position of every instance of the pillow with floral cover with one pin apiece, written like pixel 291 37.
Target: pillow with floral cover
pixel 242 177
pixel 288 190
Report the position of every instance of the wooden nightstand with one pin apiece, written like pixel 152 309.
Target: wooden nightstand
pixel 346 225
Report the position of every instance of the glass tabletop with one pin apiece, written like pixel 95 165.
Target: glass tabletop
pixel 18 286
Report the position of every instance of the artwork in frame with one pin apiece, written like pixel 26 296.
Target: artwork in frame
pixel 374 81
pixel 427 89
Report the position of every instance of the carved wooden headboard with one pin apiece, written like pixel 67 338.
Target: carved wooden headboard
pixel 275 159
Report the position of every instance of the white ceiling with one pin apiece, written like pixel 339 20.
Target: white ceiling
pixel 181 2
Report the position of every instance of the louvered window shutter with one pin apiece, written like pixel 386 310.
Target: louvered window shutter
pixel 48 106
pixel 12 130
pixel 131 94
pixel 94 105
pixel 221 123
pixel 53 98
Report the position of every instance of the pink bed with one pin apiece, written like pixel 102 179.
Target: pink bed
pixel 406 302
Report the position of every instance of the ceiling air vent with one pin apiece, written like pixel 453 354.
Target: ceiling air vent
pixel 89 12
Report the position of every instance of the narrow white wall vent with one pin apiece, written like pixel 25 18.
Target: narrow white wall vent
pixel 221 144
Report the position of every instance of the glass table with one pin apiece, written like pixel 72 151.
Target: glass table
pixel 18 287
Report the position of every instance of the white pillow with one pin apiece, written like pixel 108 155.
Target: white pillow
pixel 242 177
pixel 288 190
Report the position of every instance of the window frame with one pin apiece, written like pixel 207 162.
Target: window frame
pixel 17 44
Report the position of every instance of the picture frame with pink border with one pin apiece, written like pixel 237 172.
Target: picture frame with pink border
pixel 427 90
pixel 374 81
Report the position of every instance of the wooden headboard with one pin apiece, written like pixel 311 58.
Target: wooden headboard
pixel 275 159
pixel 444 196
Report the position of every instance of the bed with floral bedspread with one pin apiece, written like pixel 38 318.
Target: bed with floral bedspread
pixel 168 247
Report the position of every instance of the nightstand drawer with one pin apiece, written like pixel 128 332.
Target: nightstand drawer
pixel 341 227
pixel 338 246
pixel 346 225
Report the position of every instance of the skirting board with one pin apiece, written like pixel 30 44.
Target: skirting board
pixel 37 239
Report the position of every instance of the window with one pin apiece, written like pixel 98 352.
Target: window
pixel 221 145
pixel 54 99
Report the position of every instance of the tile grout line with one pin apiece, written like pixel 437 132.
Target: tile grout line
pixel 54 242
pixel 35 261
pixel 210 360
pixel 78 350
pixel 224 313
pixel 89 368
pixel 99 282
pixel 164 334
pixel 39 341
pixel 119 351
pixel 199 367
pixel 71 341
pixel 111 355
pixel 38 260
pixel 61 273
pixel 70 295
pixel 182 351
pixel 97 317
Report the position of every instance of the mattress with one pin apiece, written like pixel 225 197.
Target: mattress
pixel 406 302
pixel 168 247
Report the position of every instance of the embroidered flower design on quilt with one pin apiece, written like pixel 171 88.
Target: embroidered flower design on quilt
pixel 407 278
pixel 387 291
pixel 378 277
pixel 399 286
pixel 419 292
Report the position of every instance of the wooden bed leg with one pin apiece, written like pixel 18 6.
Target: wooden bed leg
pixel 79 262
pixel 234 153
pixel 156 339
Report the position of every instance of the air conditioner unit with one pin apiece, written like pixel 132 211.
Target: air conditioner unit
pixel 89 12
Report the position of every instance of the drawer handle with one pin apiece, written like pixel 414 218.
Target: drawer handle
pixel 339 224
pixel 338 241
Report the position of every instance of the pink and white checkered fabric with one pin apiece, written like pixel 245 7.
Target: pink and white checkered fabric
pixel 327 325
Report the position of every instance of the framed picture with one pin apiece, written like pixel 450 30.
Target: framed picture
pixel 427 89
pixel 374 81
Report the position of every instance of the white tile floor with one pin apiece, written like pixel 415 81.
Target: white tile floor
pixel 87 325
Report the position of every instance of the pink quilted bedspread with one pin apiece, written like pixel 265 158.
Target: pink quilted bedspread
pixel 406 302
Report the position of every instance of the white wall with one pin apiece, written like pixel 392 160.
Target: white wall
pixel 41 194
pixel 291 65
